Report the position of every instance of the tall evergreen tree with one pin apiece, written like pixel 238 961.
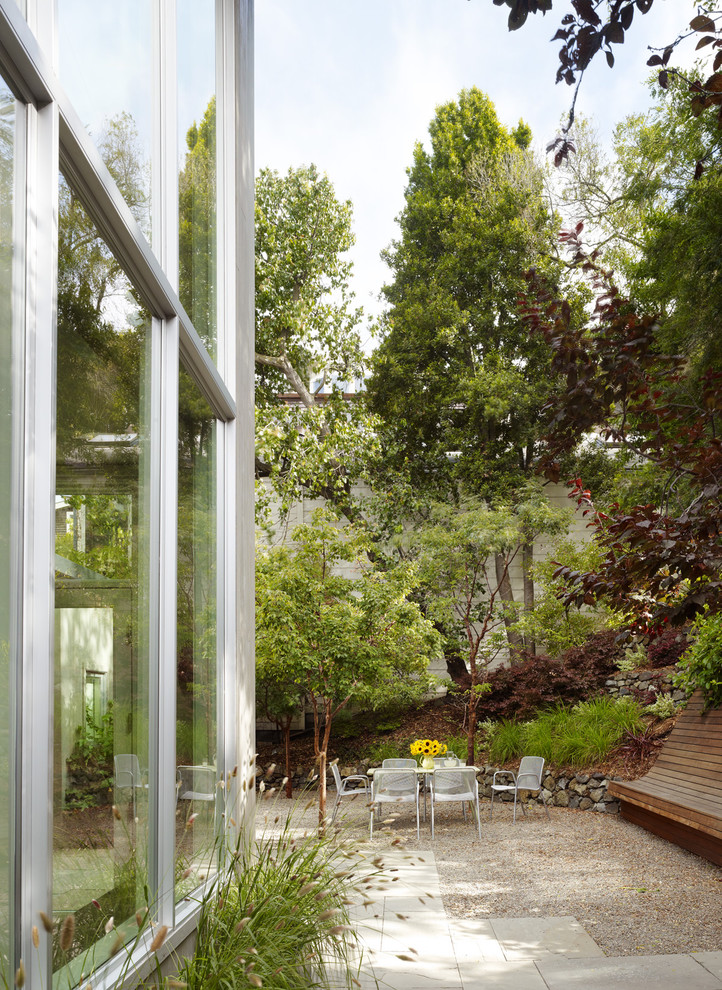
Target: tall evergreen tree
pixel 457 376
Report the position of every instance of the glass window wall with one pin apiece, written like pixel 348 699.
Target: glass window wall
pixel 105 64
pixel 102 497
pixel 197 166
pixel 199 797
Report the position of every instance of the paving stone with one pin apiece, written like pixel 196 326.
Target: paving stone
pixel 534 938
pixel 672 972
pixel 712 961
pixel 521 975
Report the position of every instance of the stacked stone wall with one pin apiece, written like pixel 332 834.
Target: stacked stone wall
pixel 641 682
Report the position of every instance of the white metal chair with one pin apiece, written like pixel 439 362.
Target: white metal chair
pixel 529 778
pixel 455 784
pixel 449 760
pixel 399 764
pixel 394 786
pixel 345 787
pixel 128 775
pixel 196 784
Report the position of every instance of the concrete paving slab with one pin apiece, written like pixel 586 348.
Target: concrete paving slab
pixel 534 938
pixel 672 972
pixel 370 933
pixel 429 942
pixel 474 940
pixel 520 975
pixel 402 974
pixel 411 904
pixel 712 962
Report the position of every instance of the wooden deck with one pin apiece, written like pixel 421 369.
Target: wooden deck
pixel 680 798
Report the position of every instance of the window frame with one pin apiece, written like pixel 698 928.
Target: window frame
pixel 55 141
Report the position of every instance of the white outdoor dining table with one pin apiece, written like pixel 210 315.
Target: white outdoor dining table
pixel 422 772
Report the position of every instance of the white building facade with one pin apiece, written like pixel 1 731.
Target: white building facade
pixel 126 485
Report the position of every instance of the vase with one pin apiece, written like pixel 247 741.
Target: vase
pixel 427 762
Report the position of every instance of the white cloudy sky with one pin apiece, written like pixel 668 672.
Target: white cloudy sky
pixel 351 85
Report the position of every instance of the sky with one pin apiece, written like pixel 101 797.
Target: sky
pixel 351 85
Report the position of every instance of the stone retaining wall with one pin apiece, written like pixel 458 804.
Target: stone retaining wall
pixel 641 682
pixel 588 792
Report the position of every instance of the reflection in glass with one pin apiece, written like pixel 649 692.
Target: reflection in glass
pixel 196 729
pixel 197 170
pixel 8 120
pixel 105 66
pixel 100 753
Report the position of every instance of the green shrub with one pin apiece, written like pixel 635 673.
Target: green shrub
pixel 576 736
pixel 387 749
pixel 663 707
pixel 507 741
pixel 633 657
pixel 457 745
pixel 536 682
pixel 701 665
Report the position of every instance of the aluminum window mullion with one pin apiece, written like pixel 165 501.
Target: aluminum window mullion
pixel 163 662
pixel 240 322
pixel 226 212
pixel 23 64
pixel 165 386
pixel 36 755
pixel 18 362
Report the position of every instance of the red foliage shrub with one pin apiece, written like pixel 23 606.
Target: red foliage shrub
pixel 537 682
pixel 666 649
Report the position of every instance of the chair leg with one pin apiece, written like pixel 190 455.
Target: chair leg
pixel 514 818
pixel 478 815
pixel 418 833
pixel 335 807
pixel 491 807
pixel 432 818
pixel 541 795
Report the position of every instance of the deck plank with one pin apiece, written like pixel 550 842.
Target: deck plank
pixel 680 798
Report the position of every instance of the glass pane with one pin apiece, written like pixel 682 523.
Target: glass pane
pixel 101 604
pixel 105 65
pixel 197 167
pixel 196 728
pixel 8 314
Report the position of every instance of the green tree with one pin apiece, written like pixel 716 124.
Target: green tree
pixel 307 341
pixel 457 378
pixel 655 217
pixel 343 640
pixel 463 558
pixel 279 698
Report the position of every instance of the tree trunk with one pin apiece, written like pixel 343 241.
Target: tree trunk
pixel 527 560
pixel 456 669
pixel 322 757
pixel 287 749
pixel 472 729
pixel 322 790
pixel 506 594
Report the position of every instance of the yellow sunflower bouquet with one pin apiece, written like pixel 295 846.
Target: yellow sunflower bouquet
pixel 427 749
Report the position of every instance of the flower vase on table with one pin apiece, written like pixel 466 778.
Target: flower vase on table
pixel 427 749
